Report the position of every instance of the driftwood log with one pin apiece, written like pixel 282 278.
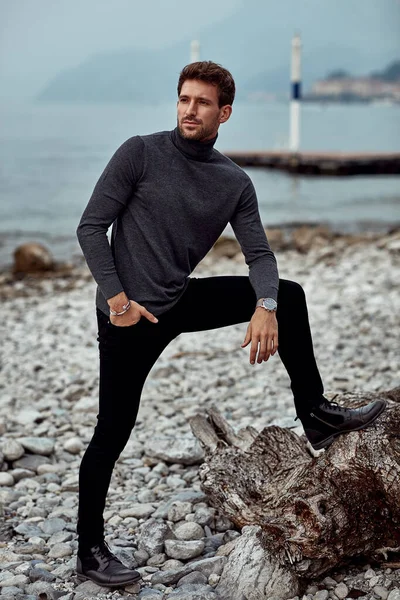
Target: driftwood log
pixel 302 514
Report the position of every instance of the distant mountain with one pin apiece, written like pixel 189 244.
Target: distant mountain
pixel 254 43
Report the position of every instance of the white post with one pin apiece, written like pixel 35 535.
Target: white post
pixel 294 140
pixel 194 51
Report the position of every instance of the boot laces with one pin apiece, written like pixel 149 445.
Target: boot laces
pixel 103 552
pixel 331 404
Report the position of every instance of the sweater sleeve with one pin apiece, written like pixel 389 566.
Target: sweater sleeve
pixel 109 198
pixel 249 231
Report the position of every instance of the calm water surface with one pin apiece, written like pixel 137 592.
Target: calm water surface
pixel 52 155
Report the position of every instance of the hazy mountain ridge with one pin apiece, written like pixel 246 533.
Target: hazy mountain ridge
pixel 254 43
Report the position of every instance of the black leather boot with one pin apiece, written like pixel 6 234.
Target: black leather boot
pixel 100 565
pixel 328 420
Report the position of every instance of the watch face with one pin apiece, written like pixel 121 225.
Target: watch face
pixel 270 303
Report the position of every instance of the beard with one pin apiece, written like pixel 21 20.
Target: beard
pixel 201 132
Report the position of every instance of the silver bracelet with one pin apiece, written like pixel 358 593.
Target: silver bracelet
pixel 125 309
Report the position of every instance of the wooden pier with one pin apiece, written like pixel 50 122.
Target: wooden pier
pixel 321 163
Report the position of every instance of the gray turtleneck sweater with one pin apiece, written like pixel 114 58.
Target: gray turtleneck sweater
pixel 169 199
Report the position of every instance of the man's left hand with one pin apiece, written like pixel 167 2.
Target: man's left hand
pixel 262 332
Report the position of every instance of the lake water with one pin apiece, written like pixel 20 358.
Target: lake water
pixel 52 155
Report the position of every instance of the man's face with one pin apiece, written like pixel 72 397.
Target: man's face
pixel 199 115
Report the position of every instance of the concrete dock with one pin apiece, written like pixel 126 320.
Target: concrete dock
pixel 321 163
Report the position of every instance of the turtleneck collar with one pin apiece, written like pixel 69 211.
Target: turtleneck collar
pixel 193 149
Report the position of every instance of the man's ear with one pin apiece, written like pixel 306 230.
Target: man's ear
pixel 226 112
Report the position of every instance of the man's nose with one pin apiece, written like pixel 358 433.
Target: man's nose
pixel 191 108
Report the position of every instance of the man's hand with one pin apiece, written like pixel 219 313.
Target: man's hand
pixel 262 332
pixel 131 316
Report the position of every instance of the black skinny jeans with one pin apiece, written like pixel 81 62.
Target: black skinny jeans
pixel 128 353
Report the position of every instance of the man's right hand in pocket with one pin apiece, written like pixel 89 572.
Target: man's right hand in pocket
pixel 131 316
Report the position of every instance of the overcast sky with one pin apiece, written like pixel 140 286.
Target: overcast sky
pixel 39 38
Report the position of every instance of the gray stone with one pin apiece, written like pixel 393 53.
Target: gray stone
pixel 59 537
pixel 86 404
pixel 134 588
pixel 170 576
pixel 152 536
pixel 12 592
pixel 157 560
pixel 369 573
pixel 394 594
pixel 341 591
pixel 193 592
pixel 204 515
pixel 29 530
pixel 60 550
pixel 146 496
pixel 381 592
pixel 90 589
pixel 36 574
pixel 178 511
pixel 28 416
pixel 139 511
pixel 223 524
pixel 208 566
pixel 189 531
pixel 184 450
pixel 141 557
pixel 213 579
pixel 64 571
pixel 171 564
pixel 126 556
pixel 6 480
pixel 193 577
pixel 53 525
pixel 30 462
pixel 33 547
pixel 19 474
pixel 38 445
pixel 148 594
pixel 183 550
pixel 322 595
pixel 12 449
pixel 16 580
pixel 74 445
pixel 183 496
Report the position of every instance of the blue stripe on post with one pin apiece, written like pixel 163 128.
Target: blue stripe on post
pixel 296 90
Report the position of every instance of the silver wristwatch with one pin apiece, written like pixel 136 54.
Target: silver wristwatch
pixel 268 303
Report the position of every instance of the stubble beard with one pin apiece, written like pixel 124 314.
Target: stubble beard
pixel 200 133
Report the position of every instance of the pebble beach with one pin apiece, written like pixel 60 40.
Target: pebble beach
pixel 158 520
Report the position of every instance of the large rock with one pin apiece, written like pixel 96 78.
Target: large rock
pixel 53 525
pixel 153 535
pixel 37 445
pixel 194 592
pixel 183 550
pixel 225 247
pixel 6 479
pixel 184 450
pixel 12 449
pixel 32 257
pixel 248 568
pixel 189 531
pixel 30 462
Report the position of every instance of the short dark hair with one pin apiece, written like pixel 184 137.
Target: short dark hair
pixel 210 72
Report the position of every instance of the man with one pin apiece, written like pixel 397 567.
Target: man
pixel 169 196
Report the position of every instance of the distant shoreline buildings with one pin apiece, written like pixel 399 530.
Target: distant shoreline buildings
pixel 340 86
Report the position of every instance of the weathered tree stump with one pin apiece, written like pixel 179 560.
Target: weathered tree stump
pixel 305 514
